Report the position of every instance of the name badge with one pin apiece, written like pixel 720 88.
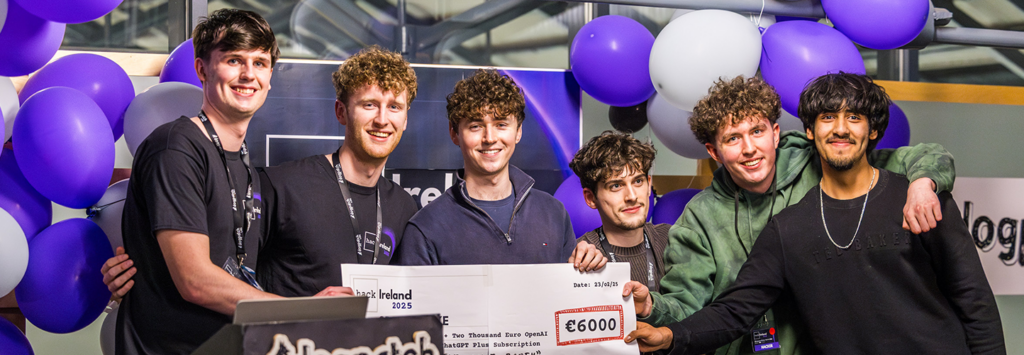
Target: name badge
pixel 763 336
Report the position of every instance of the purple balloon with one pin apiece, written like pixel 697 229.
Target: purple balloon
pixel 63 289
pixel 64 146
pixel 12 340
pixel 584 218
pixel 32 211
pixel 27 41
pixel 797 52
pixel 780 18
pixel 180 65
pixel 878 24
pixel 104 82
pixel 897 134
pixel 610 58
pixel 670 206
pixel 65 11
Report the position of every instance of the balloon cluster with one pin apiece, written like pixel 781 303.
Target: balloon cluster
pixel 616 61
pixel 62 128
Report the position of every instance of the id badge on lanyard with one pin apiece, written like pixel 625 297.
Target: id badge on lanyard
pixel 763 336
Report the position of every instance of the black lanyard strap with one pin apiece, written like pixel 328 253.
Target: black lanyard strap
pixel 652 264
pixel 241 217
pixel 358 232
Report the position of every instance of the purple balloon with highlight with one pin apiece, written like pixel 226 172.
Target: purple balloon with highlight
pixel 32 210
pixel 64 11
pixel 584 218
pixel 27 41
pixel 797 52
pixel 63 289
pixel 878 24
pixel 180 65
pixel 12 340
pixel 105 82
pixel 897 134
pixel 610 58
pixel 670 205
pixel 64 146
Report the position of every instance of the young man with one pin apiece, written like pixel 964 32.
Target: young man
pixel 492 214
pixel 859 287
pixel 613 169
pixel 325 210
pixel 758 178
pixel 189 215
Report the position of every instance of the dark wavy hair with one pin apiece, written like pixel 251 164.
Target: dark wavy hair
pixel 486 92
pixel 854 93
pixel 233 29
pixel 608 155
pixel 374 66
pixel 732 102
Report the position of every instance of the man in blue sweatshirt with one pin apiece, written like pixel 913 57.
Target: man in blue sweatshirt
pixel 492 214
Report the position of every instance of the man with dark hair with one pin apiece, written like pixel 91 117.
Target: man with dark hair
pixel 492 214
pixel 762 172
pixel 326 210
pixel 192 202
pixel 865 288
pixel 614 170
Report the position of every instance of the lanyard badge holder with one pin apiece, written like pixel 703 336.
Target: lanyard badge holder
pixel 356 231
pixel 652 264
pixel 241 218
pixel 763 336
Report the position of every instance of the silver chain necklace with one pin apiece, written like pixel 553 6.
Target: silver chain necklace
pixel 821 202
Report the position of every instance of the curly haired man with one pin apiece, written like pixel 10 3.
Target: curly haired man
pixel 492 214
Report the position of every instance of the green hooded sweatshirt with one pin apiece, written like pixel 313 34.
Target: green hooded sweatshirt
pixel 713 236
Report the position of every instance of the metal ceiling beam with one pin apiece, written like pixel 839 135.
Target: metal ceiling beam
pixel 1011 58
pixel 479 19
pixel 801 8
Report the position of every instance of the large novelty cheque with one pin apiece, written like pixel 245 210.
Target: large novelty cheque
pixel 506 309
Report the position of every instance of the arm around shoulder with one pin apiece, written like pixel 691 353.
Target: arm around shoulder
pixel 924 160
pixel 197 279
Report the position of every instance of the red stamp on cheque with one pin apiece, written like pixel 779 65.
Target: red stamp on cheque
pixel 588 325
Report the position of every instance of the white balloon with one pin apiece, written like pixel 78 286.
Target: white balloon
pixel 3 13
pixel 107 332
pixel 9 103
pixel 697 49
pixel 672 127
pixel 765 19
pixel 161 103
pixel 13 253
pixel 108 211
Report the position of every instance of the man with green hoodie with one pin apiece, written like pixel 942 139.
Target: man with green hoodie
pixel 762 173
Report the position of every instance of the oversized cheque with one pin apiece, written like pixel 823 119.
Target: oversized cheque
pixel 506 309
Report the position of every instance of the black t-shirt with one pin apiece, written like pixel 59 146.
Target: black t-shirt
pixel 309 232
pixel 178 183
pixel 499 210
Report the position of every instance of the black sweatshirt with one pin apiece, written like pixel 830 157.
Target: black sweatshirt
pixel 891 292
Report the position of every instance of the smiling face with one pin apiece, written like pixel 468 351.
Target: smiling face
pixel 487 143
pixel 747 150
pixel 235 83
pixel 374 120
pixel 621 200
pixel 842 138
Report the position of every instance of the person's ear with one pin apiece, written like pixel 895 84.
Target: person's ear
pixel 340 111
pixel 589 196
pixel 713 152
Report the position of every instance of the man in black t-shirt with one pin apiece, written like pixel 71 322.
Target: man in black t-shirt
pixel 860 283
pixel 613 169
pixel 310 229
pixel 192 204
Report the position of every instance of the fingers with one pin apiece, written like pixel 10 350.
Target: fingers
pixel 636 288
pixel 115 274
pixel 643 331
pixel 588 260
pixel 119 294
pixel 579 254
pixel 118 258
pixel 122 284
pixel 335 291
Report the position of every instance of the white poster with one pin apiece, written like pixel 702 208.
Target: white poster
pixel 993 209
pixel 507 309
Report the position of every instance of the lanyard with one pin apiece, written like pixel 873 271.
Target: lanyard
pixel 241 218
pixel 352 212
pixel 651 264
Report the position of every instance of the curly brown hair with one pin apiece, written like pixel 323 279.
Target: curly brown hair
pixel 608 155
pixel 374 66
pixel 733 102
pixel 486 92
